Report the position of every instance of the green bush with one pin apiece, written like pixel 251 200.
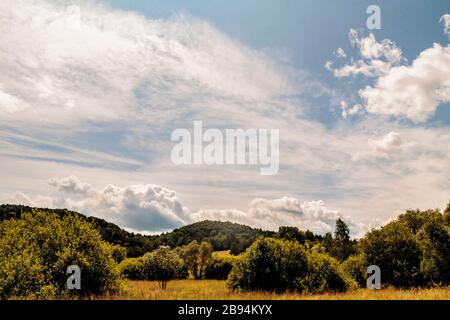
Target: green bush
pixel 324 275
pixel 269 264
pixel 218 268
pixel 356 267
pixel 36 250
pixel 132 268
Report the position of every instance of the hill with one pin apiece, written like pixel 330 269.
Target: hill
pixel 221 235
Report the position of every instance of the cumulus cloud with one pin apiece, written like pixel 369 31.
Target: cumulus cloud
pixel 286 211
pixel 151 208
pixel 414 91
pixel 144 208
pixel 376 57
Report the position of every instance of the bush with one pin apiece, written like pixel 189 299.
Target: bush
pixel 218 268
pixel 324 275
pixel 132 268
pixel 356 267
pixel 119 253
pixel 36 250
pixel 269 264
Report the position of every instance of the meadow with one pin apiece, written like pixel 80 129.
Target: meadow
pixel 217 290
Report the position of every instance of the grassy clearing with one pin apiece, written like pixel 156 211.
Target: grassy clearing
pixel 217 290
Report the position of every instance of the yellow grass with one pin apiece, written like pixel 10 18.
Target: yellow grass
pixel 217 290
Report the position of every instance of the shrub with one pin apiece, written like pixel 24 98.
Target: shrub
pixel 218 268
pixel 119 253
pixel 269 264
pixel 36 250
pixel 132 268
pixel 324 275
pixel 356 267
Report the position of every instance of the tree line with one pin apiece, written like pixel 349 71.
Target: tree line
pixel 37 245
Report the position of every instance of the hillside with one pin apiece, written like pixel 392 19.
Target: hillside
pixel 222 235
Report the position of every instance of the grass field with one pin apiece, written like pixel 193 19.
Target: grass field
pixel 217 290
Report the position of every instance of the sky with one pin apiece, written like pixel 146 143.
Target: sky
pixel 91 91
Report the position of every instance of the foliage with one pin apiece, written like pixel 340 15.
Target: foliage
pixel 221 235
pixel 220 266
pixel 269 264
pixel 324 275
pixel 414 250
pixel 132 268
pixel 196 257
pixel 162 265
pixel 119 253
pixel 36 250
pixel 356 267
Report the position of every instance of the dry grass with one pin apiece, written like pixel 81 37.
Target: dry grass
pixel 217 290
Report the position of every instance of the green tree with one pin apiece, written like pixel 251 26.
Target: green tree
pixel 36 250
pixel 342 248
pixel 396 251
pixel 190 254
pixel 434 242
pixel 204 258
pixel 162 265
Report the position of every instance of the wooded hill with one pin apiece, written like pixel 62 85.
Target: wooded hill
pixel 221 235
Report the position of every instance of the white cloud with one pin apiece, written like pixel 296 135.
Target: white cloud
pixel 146 208
pixel 414 91
pixel 286 211
pixel 445 19
pixel 377 58
pixel 150 208
pixel 388 144
pixel 348 111
pixel 57 56
pixel 340 53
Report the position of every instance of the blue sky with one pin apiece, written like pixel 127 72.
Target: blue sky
pixel 91 91
pixel 286 26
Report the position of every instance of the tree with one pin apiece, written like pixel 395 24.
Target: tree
pixel 162 265
pixel 342 245
pixel 205 252
pixel 291 233
pixel 434 242
pixel 196 257
pixel 36 251
pixel 190 254
pixel 395 250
